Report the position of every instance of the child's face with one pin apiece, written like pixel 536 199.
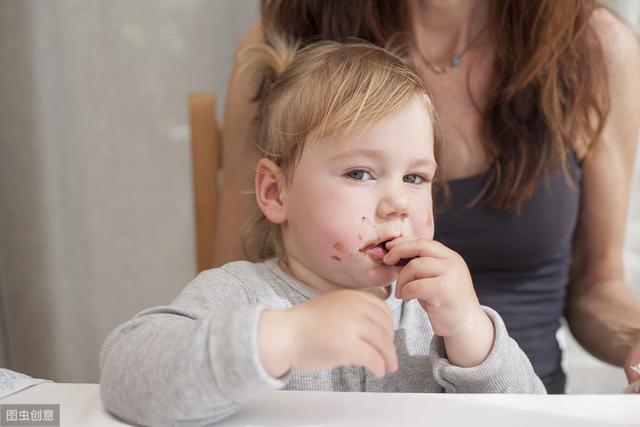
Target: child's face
pixel 348 196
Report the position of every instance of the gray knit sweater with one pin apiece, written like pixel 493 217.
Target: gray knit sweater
pixel 196 361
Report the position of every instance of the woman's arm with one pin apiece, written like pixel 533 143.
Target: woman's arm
pixel 602 313
pixel 239 157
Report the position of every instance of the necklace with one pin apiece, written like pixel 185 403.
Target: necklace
pixel 455 61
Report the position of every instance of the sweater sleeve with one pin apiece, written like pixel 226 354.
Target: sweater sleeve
pixel 189 364
pixel 505 370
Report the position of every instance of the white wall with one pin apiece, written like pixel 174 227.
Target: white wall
pixel 95 181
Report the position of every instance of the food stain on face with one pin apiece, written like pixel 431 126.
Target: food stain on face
pixel 336 258
pixel 338 246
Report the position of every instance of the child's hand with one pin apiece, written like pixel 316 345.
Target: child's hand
pixel 439 278
pixel 340 328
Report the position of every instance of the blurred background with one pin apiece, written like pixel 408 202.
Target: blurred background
pixel 96 204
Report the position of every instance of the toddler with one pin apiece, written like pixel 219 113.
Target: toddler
pixel 349 291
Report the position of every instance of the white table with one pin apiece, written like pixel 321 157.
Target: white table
pixel 80 406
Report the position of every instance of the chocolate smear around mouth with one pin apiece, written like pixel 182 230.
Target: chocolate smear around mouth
pixel 401 262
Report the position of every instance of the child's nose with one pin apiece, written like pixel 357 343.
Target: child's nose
pixel 394 203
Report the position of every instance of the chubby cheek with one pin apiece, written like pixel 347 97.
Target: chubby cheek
pixel 423 222
pixel 429 228
pixel 327 231
pixel 342 238
pixel 347 244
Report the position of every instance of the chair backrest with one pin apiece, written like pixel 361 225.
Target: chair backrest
pixel 206 148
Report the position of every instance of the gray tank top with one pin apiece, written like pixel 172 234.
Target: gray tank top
pixel 520 263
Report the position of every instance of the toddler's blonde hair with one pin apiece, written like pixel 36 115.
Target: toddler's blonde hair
pixel 326 88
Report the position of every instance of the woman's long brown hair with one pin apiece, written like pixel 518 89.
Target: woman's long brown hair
pixel 550 91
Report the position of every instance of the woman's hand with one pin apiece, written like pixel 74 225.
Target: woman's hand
pixel 339 328
pixel 439 278
pixel 633 361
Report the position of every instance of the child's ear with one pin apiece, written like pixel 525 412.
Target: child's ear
pixel 269 186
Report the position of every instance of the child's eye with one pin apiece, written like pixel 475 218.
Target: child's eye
pixel 413 179
pixel 359 175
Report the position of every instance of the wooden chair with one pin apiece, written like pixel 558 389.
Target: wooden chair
pixel 206 156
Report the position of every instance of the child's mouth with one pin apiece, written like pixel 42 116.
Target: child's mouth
pixel 377 250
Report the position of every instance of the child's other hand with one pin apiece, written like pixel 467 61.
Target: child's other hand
pixel 439 278
pixel 339 328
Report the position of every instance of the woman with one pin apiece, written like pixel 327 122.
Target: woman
pixel 539 107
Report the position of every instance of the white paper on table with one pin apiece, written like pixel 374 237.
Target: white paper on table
pixel 12 382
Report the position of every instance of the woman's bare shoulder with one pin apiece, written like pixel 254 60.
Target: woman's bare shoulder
pixel 252 36
pixel 620 44
pixel 621 49
pixel 242 86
